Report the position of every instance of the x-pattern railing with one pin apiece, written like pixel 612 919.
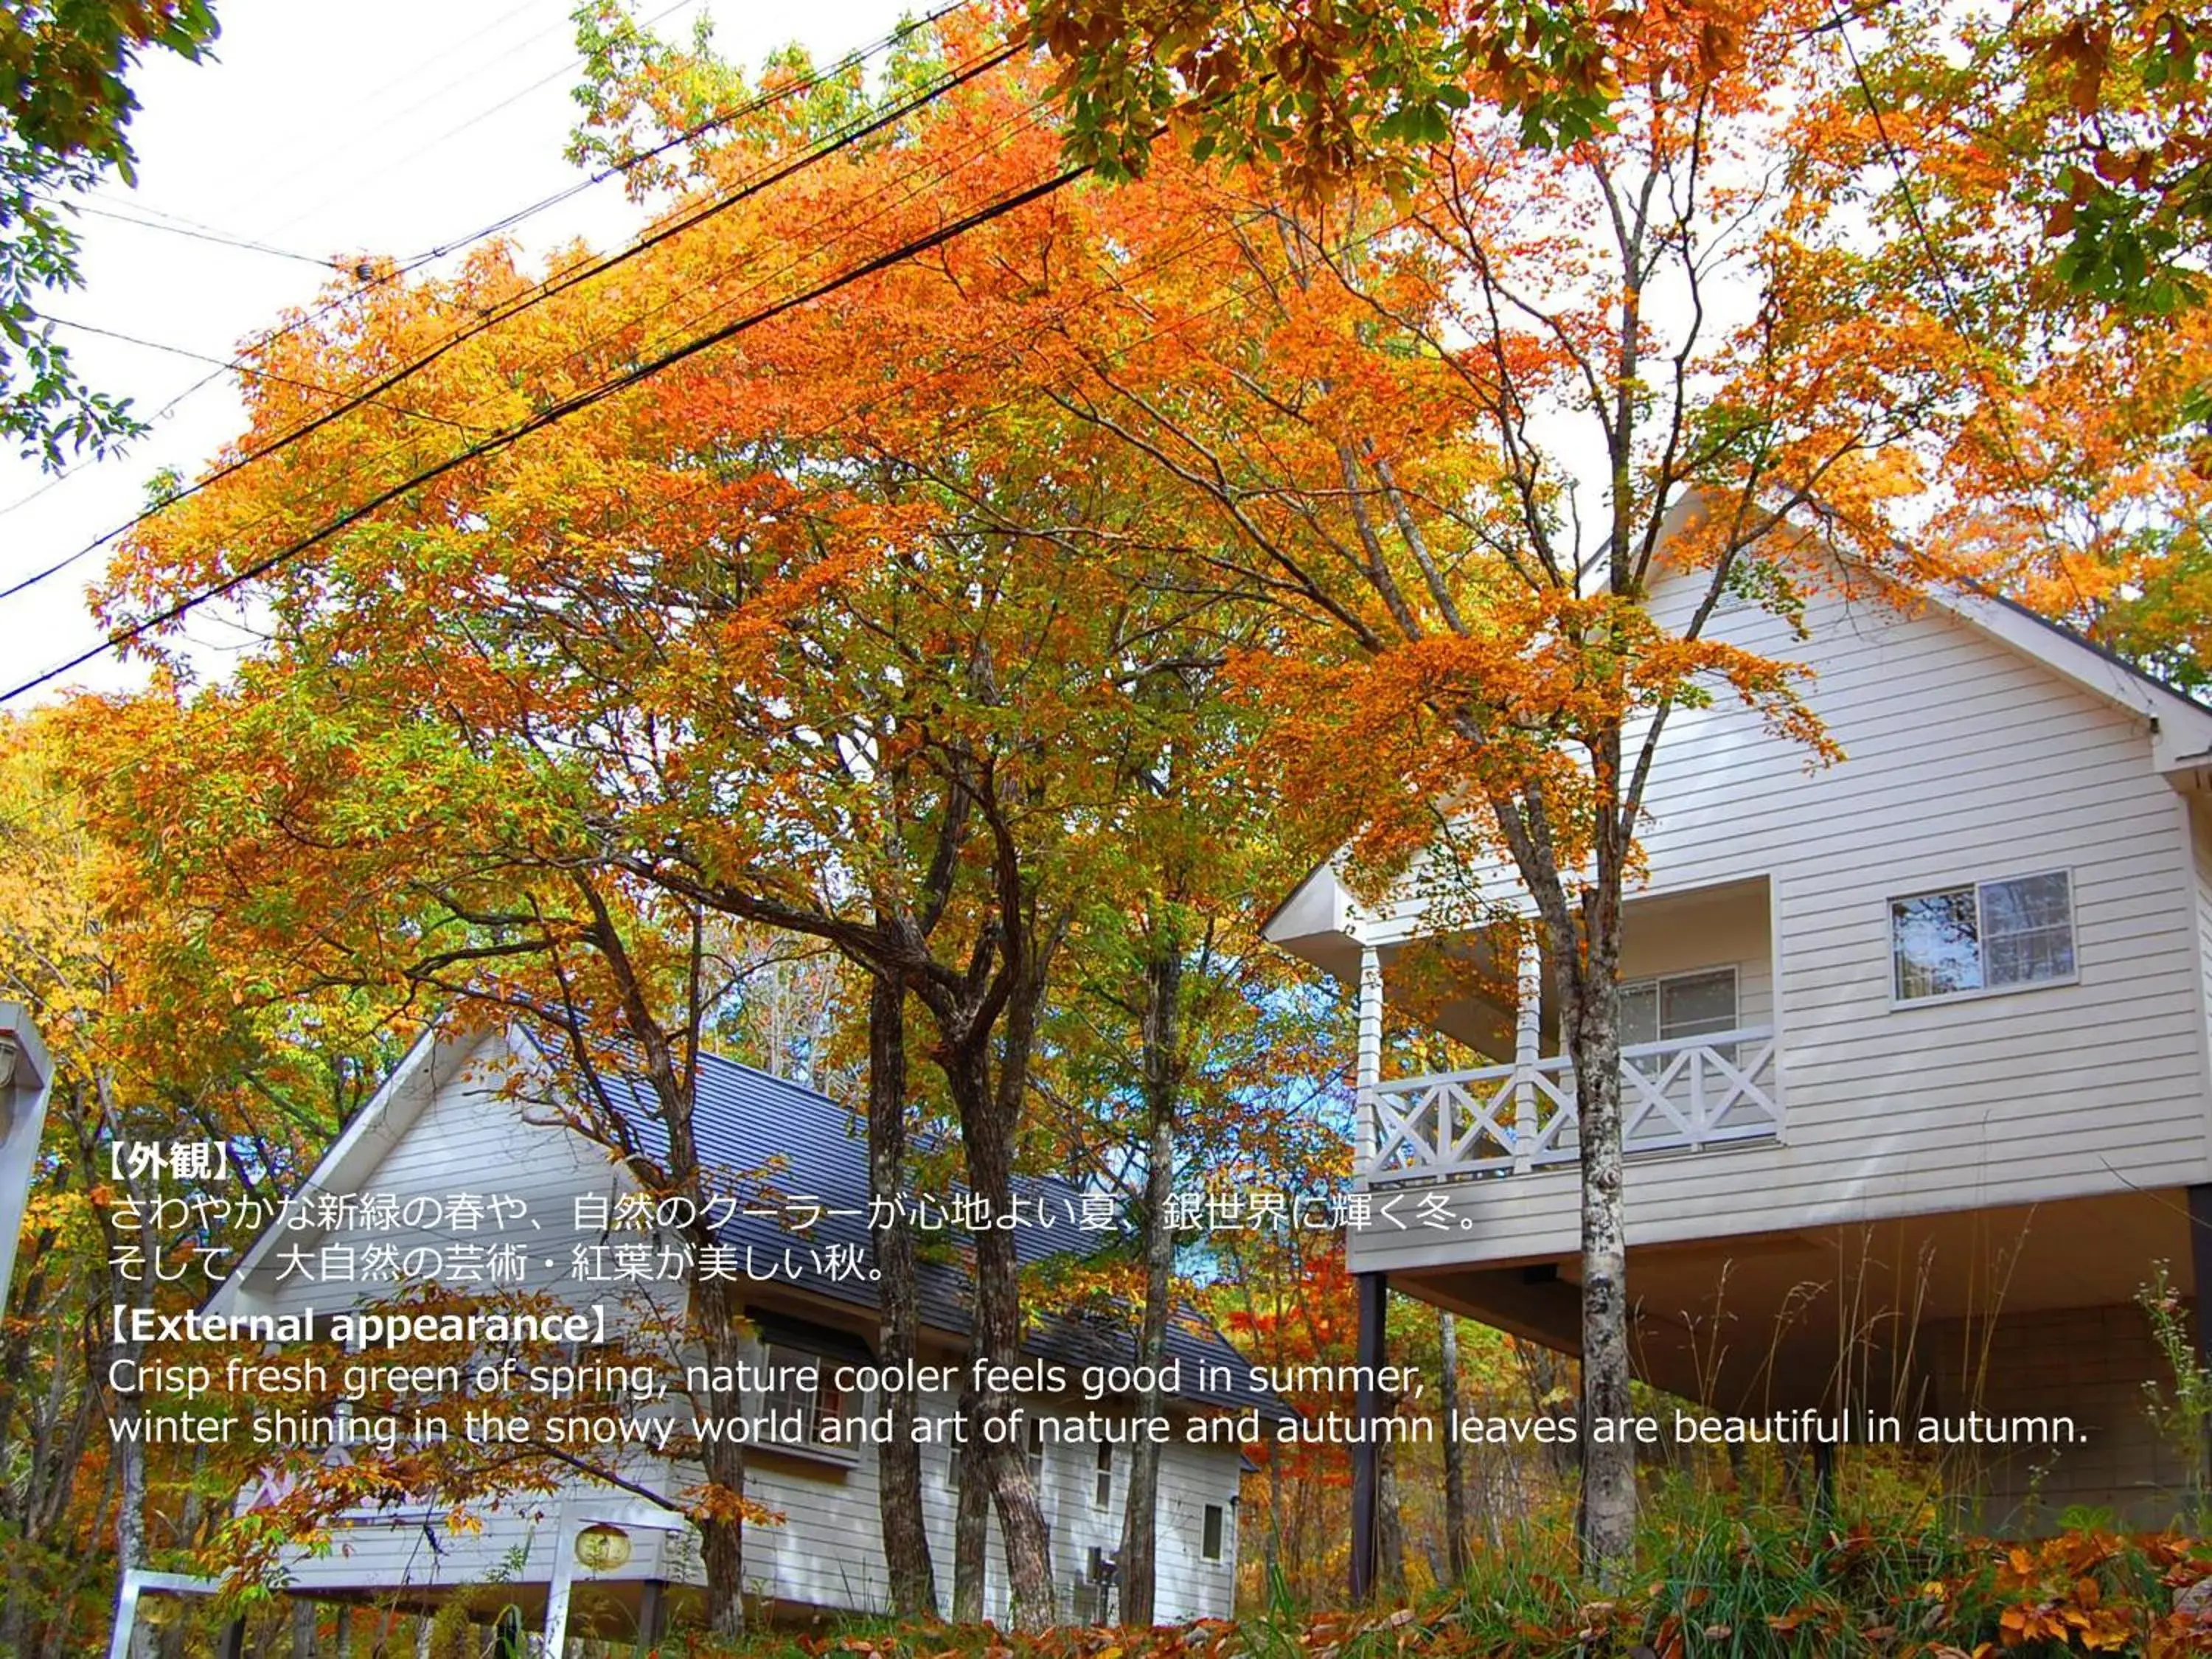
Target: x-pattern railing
pixel 1681 1094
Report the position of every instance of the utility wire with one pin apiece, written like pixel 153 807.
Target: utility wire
pixel 759 102
pixel 247 368
pixel 319 166
pixel 699 129
pixel 552 285
pixel 552 415
pixel 203 233
pixel 816 238
pixel 902 389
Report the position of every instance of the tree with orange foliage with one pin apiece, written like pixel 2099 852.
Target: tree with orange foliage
pixel 2039 185
pixel 152 1044
pixel 788 636
pixel 1467 434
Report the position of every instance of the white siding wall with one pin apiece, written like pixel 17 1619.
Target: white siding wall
pixel 828 1550
pixel 1730 930
pixel 2200 836
pixel 1967 761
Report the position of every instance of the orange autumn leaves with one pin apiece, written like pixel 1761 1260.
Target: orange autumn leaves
pixel 1192 322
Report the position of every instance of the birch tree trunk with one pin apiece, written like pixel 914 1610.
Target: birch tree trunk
pixel 1457 1559
pixel 1608 1484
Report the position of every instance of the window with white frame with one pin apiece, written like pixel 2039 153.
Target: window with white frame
pixel 1033 1449
pixel 1671 1005
pixel 1102 1492
pixel 1213 1532
pixel 1981 936
pixel 799 1386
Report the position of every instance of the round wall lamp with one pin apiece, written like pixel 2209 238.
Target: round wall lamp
pixel 603 1547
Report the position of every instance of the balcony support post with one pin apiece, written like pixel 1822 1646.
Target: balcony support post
pixel 1527 1048
pixel 1373 1292
pixel 1368 1072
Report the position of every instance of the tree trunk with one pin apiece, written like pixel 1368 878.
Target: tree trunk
pixel 1389 1521
pixel 722 1535
pixel 1137 1564
pixel 994 1439
pixel 130 1405
pixel 1456 1559
pixel 1608 1484
pixel 971 1519
pixel 716 1310
pixel 898 1455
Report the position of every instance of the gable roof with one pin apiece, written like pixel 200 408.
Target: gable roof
pixel 2181 727
pixel 793 1149
pixel 786 1154
pixel 1313 911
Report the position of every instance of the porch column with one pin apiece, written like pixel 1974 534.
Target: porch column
pixel 556 1592
pixel 652 1612
pixel 1527 1048
pixel 1369 1069
pixel 2200 1264
pixel 1373 1291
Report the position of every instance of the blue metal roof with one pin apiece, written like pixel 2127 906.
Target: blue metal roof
pixel 796 1162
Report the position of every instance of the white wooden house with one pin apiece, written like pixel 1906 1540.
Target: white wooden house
pixel 1918 1094
pixel 442 1126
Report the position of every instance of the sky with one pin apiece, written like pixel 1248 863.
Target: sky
pixel 319 129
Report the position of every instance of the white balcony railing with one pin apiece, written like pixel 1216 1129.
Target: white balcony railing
pixel 1680 1096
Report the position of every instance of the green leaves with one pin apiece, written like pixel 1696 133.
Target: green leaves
pixel 1319 91
pixel 64 107
pixel 2127 246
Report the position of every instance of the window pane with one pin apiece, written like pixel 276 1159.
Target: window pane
pixel 1639 1013
pixel 1935 940
pixel 796 1389
pixel 1695 1004
pixel 1209 1545
pixel 2027 930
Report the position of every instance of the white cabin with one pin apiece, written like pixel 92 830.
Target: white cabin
pixel 1918 1093
pixel 442 1126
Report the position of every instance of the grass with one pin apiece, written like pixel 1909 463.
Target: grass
pixel 1718 1575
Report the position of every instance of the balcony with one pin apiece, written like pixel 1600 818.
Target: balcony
pixel 1684 1095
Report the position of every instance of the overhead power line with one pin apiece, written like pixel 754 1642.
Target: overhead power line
pixel 245 368
pixel 205 233
pixel 910 188
pixel 755 105
pixel 554 285
pixel 552 415
pixel 699 129
pixel 908 385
